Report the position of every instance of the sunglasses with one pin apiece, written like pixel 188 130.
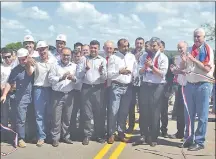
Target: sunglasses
pixel 7 57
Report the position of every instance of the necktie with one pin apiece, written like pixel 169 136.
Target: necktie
pixel 105 84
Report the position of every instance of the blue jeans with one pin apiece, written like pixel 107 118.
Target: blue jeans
pixel 120 99
pixel 197 98
pixel 213 93
pixel 42 108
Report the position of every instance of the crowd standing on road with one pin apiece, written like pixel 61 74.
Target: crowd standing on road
pixel 63 95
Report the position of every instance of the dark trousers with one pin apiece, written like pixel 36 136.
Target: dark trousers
pixel 93 110
pixel 120 98
pixel 150 109
pixel 164 113
pixel 180 112
pixel 76 108
pixel 62 110
pixel 135 94
pixel 106 105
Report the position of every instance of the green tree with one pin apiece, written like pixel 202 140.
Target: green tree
pixel 210 31
pixel 14 46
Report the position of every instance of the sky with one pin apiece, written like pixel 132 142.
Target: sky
pixel 86 21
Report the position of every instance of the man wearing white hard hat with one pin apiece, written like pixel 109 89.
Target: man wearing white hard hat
pixel 29 44
pixel 42 90
pixel 61 40
pixel 24 82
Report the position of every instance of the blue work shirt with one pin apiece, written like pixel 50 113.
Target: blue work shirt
pixel 23 82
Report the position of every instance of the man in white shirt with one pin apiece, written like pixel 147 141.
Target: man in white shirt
pixel 62 78
pixel 198 90
pixel 153 67
pixel 121 70
pixel 181 80
pixel 93 72
pixel 6 66
pixel 42 90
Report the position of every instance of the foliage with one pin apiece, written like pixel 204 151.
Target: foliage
pixel 210 31
pixel 14 46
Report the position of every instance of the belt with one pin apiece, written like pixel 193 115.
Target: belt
pixel 197 83
pixel 92 85
pixel 121 84
pixel 152 84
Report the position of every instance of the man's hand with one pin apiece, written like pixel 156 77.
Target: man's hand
pixel 71 77
pixel 87 64
pixel 172 67
pixel 3 99
pixel 100 68
pixel 64 76
pixel 31 61
pixel 149 62
pixel 191 58
pixel 184 57
pixel 124 71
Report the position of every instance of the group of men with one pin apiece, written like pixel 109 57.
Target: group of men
pixel 56 85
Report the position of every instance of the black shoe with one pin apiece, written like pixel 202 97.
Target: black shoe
pixel 140 141
pixel 165 135
pixel 175 136
pixel 195 147
pixel 153 144
pixel 100 140
pixel 68 141
pixel 85 141
pixel 185 145
pixel 55 143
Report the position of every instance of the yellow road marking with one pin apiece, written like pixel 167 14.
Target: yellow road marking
pixel 103 151
pixel 121 146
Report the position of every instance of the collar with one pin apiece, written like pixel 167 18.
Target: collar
pixel 62 65
pixel 90 57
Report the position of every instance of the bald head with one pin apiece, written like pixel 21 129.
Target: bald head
pixel 182 47
pixel 108 48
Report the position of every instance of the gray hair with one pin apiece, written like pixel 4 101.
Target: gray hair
pixel 155 39
pixel 199 30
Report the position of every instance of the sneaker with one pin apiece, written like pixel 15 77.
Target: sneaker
pixel 40 143
pixel 22 143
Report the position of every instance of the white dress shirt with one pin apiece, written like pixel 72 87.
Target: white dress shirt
pixel 119 61
pixel 163 64
pixel 56 72
pixel 191 66
pixel 41 70
pixel 92 76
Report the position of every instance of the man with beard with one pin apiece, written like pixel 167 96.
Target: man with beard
pixel 42 91
pixel 153 67
pixel 138 51
pixel 62 78
pixel 93 72
pixel 24 81
pixel 121 69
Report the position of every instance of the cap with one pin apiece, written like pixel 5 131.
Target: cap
pixel 22 52
pixel 41 44
pixel 61 37
pixel 28 38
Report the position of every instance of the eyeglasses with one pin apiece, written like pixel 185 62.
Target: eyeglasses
pixel 7 57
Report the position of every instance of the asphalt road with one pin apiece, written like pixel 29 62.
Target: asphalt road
pixel 167 148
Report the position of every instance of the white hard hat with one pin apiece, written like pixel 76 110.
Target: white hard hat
pixel 61 37
pixel 22 52
pixel 41 44
pixel 28 38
